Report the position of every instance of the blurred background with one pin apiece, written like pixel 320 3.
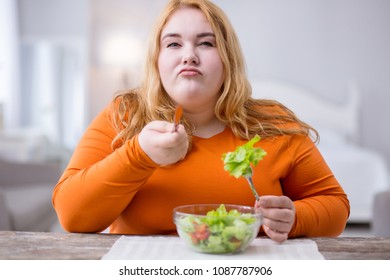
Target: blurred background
pixel 61 61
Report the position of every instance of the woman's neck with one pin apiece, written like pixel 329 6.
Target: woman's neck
pixel 207 125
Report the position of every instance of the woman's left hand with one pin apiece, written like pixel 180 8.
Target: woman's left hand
pixel 278 216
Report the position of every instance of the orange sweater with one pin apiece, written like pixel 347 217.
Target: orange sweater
pixel 127 191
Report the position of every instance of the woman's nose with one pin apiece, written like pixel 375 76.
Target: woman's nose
pixel 190 56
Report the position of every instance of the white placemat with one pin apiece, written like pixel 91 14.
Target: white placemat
pixel 173 248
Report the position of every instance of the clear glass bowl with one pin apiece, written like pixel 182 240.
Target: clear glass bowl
pixel 219 231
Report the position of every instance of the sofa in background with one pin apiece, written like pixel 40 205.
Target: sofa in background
pixel 25 195
pixel 381 215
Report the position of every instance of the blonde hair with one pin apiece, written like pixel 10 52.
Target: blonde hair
pixel 246 116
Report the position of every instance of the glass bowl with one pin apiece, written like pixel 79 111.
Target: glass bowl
pixel 217 228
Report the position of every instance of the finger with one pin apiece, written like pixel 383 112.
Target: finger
pixel 180 129
pixel 164 138
pixel 160 126
pixel 271 201
pixel 275 235
pixel 283 227
pixel 278 214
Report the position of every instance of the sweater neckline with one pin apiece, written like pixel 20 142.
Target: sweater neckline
pixel 212 137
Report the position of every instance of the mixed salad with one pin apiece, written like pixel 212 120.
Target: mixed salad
pixel 219 231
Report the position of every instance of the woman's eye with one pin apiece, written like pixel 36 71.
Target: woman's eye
pixel 172 45
pixel 207 43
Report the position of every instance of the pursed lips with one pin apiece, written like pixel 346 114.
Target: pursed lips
pixel 189 72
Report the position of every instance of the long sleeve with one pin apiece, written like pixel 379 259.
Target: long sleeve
pixel 99 183
pixel 322 207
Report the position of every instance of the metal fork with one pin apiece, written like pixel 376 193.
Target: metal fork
pixel 252 186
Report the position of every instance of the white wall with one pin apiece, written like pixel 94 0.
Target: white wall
pixel 52 19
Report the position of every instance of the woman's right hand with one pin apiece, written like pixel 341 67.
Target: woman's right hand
pixel 278 215
pixel 161 144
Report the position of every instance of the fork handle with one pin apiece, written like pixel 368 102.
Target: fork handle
pixel 250 181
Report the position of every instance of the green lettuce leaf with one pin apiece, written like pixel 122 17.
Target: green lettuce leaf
pixel 238 163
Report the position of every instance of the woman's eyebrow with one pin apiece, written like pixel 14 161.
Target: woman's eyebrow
pixel 205 34
pixel 169 35
pixel 177 35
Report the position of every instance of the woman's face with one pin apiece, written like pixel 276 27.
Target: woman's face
pixel 190 67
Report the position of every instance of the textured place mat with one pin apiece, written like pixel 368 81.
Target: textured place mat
pixel 173 248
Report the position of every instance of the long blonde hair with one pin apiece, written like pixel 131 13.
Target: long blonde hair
pixel 235 108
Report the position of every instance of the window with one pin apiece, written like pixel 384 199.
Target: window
pixel 53 90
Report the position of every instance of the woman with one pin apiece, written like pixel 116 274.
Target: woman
pixel 133 166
